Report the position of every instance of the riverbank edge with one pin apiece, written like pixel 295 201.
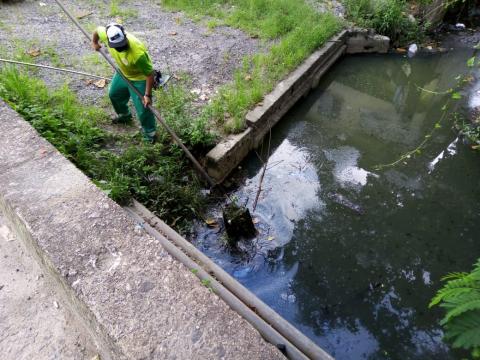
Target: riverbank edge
pixel 230 151
pixel 132 296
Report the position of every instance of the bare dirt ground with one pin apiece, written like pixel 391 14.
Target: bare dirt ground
pixel 34 324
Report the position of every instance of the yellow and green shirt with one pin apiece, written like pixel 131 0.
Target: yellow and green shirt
pixel 134 62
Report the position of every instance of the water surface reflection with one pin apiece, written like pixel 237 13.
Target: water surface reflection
pixel 350 255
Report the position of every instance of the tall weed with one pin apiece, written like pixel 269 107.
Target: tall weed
pixel 387 17
pixel 157 175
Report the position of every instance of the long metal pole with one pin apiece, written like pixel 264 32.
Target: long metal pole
pixel 150 107
pixel 53 68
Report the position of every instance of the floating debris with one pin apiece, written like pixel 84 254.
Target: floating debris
pixel 342 200
pixel 412 50
pixel 238 223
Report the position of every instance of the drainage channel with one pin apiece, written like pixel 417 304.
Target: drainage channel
pixel 271 326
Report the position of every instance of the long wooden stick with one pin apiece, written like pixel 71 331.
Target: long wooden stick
pixel 263 172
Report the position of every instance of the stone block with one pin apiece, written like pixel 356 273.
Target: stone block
pixel 226 156
pixel 360 41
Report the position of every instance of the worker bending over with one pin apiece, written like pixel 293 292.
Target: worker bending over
pixel 132 59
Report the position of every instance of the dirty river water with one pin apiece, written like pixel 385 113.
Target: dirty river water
pixel 349 254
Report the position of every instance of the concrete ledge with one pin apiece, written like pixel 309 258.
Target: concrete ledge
pixel 289 91
pixel 364 41
pixel 226 156
pixel 232 150
pixel 136 300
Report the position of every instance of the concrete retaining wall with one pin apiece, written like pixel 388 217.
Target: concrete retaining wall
pixel 135 299
pixel 228 154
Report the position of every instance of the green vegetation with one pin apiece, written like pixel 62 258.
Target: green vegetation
pixel 118 9
pixel 175 104
pixel 4 26
pixel 460 297
pixel 95 64
pixel 471 132
pixel 293 27
pixel 207 283
pixel 121 165
pixel 387 17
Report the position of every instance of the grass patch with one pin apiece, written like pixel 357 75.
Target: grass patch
pixel 294 27
pixel 157 175
pixel 175 106
pixel 119 10
pixel 471 132
pixel 4 26
pixel 95 64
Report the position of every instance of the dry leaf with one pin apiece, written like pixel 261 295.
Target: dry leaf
pixel 34 52
pixel 401 50
pixel 100 83
pixel 43 152
pixel 248 77
pixel 172 33
pixel 211 222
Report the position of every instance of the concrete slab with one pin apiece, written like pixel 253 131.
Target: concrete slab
pixel 231 150
pixel 136 301
pixel 34 322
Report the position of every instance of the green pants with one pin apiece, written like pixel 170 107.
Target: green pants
pixel 120 93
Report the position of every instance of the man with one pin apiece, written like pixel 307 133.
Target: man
pixel 132 59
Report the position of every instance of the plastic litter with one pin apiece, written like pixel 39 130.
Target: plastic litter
pixel 412 50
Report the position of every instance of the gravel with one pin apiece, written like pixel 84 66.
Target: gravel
pixel 176 44
pixel 33 324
